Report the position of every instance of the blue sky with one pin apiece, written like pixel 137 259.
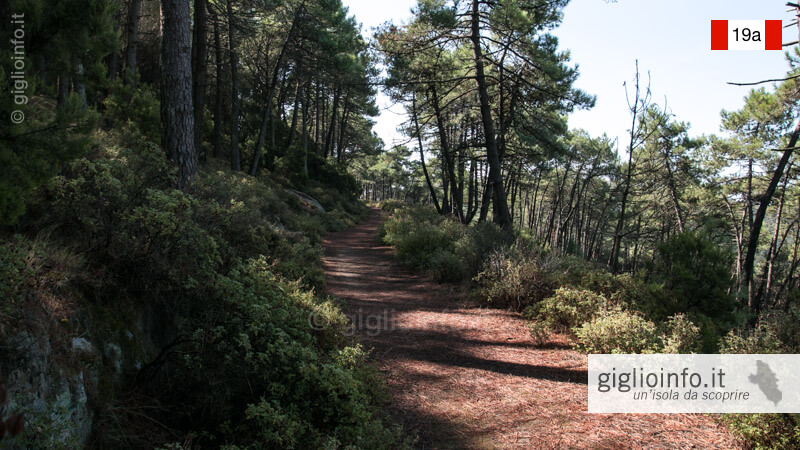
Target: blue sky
pixel 671 40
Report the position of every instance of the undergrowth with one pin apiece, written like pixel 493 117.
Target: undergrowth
pixel 680 304
pixel 218 289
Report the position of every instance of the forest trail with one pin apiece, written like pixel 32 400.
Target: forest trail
pixel 467 377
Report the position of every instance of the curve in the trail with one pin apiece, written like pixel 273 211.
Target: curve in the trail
pixel 468 377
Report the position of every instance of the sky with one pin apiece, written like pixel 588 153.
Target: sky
pixel 670 39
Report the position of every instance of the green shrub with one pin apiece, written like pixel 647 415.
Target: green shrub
pixel 392 205
pixel 631 290
pixel 14 273
pixel 512 281
pixel 775 332
pixel 618 331
pixel 424 240
pixel 761 339
pixel 338 220
pixel 680 335
pixel 539 331
pixel 566 270
pixel 478 243
pixel 135 229
pixel 445 266
pixel 34 150
pixel 696 275
pixel 569 308
pixel 786 325
pixel 136 109
pixel 765 431
pixel 288 382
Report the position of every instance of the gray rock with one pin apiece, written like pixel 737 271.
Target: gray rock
pixel 113 353
pixel 82 346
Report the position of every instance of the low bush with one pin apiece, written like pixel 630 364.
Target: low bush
pixel 229 273
pixel 510 280
pixel 695 272
pixel 444 265
pixel 425 240
pixel 478 243
pixel 765 431
pixel 618 331
pixel 539 332
pixel 440 246
pixel 133 109
pixel 14 273
pixel 288 383
pixel 680 335
pixel 632 290
pixel 391 205
pixel 569 308
pixel 775 332
pixel 763 338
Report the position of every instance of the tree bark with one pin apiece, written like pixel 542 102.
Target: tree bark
pixel 234 60
pixel 447 157
pixel 306 101
pixel 502 216
pixel 422 153
pixel 113 58
pixel 134 12
pixel 298 91
pixel 340 142
pixel 673 191
pixel 176 90
pixel 755 231
pixel 199 68
pixel 329 137
pixel 219 90
pixel 615 247
pixel 265 119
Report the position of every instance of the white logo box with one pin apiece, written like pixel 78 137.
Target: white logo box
pixel 697 383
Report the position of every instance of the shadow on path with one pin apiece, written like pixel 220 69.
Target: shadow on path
pixel 466 377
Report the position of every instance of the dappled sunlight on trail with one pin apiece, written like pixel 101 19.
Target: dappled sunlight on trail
pixel 468 377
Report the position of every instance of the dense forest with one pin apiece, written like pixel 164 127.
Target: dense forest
pixel 170 168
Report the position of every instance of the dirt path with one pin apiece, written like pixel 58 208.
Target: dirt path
pixel 467 377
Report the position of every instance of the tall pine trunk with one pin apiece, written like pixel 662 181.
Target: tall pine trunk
pixel 199 54
pixel 502 216
pixel 132 32
pixel 235 162
pixel 176 90
pixel 265 119
pixel 755 231
pixel 422 153
pixel 219 90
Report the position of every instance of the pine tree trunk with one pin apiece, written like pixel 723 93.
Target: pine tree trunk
pixel 502 217
pixel 176 90
pixel 79 85
pixel 755 231
pixel 113 58
pixel 422 153
pixel 219 90
pixel 342 130
pixel 447 156
pixel 134 12
pixel 329 137
pixel 266 117
pixel 298 91
pixel 234 58
pixel 306 101
pixel 199 67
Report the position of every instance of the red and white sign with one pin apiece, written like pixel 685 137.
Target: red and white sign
pixel 746 35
